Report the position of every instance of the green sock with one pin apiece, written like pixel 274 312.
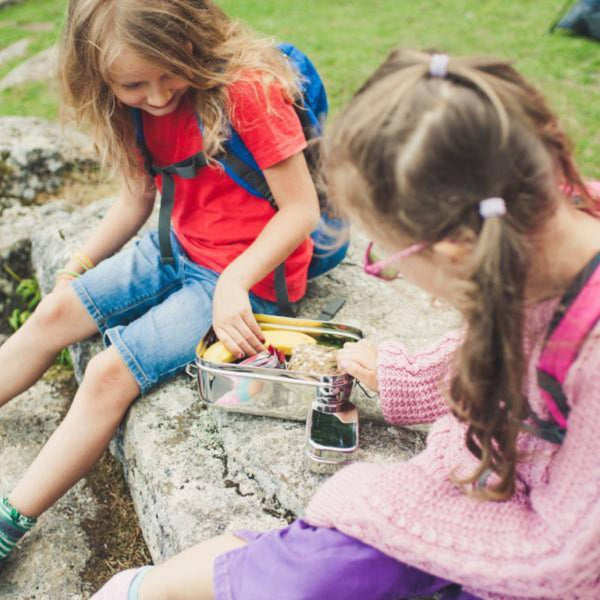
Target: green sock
pixel 13 526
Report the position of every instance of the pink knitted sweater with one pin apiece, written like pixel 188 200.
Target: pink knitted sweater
pixel 542 543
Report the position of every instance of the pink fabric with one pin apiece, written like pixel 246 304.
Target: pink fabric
pixel 562 347
pixel 543 543
pixel 117 588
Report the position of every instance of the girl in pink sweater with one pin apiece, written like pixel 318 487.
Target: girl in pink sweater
pixel 454 166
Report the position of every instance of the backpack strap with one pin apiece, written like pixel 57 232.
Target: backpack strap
pixel 186 169
pixel 576 315
pixel 240 165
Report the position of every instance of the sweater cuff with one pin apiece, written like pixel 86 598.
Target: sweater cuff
pixel 413 388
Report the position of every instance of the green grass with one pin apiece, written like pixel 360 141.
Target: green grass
pixel 348 38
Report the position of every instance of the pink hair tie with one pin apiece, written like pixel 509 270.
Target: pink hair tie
pixel 492 207
pixel 438 67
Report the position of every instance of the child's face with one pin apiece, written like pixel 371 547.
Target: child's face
pixel 434 269
pixel 140 84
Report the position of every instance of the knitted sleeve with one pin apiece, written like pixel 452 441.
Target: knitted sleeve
pixel 542 543
pixel 411 386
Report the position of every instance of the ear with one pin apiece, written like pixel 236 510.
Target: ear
pixel 453 250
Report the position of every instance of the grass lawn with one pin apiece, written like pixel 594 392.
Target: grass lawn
pixel 348 38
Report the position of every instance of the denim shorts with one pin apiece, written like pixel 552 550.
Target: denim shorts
pixel 154 314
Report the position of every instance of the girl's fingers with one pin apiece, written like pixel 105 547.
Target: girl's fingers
pixel 254 327
pixel 367 359
pixel 229 342
pixel 250 341
pixel 366 376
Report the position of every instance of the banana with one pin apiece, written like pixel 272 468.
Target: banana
pixel 285 341
pixel 218 353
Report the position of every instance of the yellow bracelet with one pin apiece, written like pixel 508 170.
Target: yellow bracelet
pixel 84 260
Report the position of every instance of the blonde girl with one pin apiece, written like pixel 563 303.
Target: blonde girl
pixel 189 73
pixel 462 175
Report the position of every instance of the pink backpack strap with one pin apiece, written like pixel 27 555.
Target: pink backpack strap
pixel 575 317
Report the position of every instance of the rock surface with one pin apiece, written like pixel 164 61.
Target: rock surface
pixel 37 69
pixel 16 226
pixel 16 50
pixel 36 156
pixel 194 471
pixel 48 562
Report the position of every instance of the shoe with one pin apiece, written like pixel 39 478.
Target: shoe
pixel 118 587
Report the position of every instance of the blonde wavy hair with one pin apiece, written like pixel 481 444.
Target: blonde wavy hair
pixel 222 52
pixel 413 155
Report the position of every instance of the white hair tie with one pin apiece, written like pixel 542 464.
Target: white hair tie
pixel 438 67
pixel 492 207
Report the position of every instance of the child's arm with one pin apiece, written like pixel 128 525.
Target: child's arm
pixel 294 192
pixel 410 386
pixel 542 543
pixel 121 222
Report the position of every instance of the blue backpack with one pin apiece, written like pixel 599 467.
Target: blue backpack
pixel 240 165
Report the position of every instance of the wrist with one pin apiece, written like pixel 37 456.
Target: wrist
pixel 232 277
pixel 78 264
pixel 73 266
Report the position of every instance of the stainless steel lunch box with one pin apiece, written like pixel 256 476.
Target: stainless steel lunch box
pixel 289 394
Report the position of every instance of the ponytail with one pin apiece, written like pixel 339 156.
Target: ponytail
pixel 487 389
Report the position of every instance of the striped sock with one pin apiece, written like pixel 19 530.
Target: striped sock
pixel 13 526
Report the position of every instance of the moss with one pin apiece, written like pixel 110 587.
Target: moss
pixel 5 171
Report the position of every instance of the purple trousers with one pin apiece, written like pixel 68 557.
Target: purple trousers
pixel 302 562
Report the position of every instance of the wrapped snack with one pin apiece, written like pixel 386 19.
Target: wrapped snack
pixel 271 358
pixel 315 359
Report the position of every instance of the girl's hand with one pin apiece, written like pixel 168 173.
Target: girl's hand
pixel 233 320
pixel 359 359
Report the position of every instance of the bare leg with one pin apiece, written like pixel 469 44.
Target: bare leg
pixel 107 390
pixel 189 575
pixel 59 320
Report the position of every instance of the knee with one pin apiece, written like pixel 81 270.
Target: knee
pixel 109 383
pixel 51 312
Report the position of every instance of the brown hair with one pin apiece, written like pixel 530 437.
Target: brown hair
pixel 223 51
pixel 415 155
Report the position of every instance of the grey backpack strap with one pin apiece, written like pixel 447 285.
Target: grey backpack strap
pixel 186 169
pixel 281 291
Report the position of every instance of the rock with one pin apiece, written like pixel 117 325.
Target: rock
pixel 16 227
pixel 16 50
pixel 36 156
pixel 194 471
pixel 37 69
pixel 47 563
pixel 4 3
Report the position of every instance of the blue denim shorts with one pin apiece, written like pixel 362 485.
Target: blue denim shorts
pixel 153 314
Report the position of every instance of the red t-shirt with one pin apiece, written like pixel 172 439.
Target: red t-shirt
pixel 214 218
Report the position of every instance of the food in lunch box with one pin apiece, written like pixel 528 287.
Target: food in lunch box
pixel 285 341
pixel 314 358
pixel 245 389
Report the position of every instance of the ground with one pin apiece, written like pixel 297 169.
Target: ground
pixel 348 38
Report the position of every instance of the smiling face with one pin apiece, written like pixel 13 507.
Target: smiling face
pixel 140 84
